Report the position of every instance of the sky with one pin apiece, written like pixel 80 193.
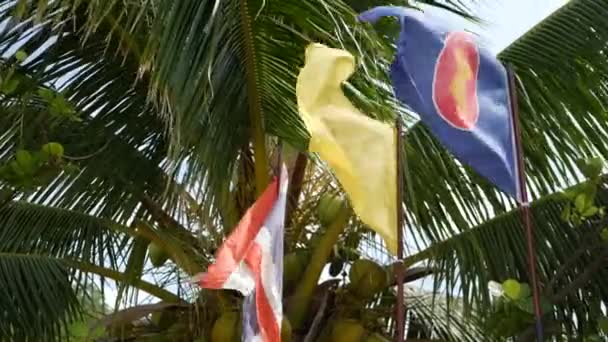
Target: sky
pixel 504 20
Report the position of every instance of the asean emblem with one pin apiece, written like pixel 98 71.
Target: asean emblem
pixel 455 81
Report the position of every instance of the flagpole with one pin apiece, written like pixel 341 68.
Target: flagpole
pixel 400 312
pixel 277 169
pixel 524 206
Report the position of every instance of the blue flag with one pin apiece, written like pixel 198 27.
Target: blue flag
pixel 459 90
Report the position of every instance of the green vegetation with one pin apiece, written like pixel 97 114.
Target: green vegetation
pixel 134 135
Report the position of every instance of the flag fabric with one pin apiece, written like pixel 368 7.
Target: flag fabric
pixel 459 90
pixel 251 262
pixel 361 151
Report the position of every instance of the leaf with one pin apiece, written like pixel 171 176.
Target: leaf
pixel 135 265
pixel 62 233
pixel 451 324
pixel 38 296
pixel 557 114
pixel 496 248
pixel 512 288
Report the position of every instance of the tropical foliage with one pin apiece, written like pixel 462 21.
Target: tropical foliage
pixel 131 124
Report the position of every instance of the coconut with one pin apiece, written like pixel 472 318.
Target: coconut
pixel 226 328
pixel 367 278
pixel 53 149
pixel 294 265
pixel 158 256
pixel 285 330
pixel 347 330
pixel 328 208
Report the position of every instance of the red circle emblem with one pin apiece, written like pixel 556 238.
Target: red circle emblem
pixel 455 81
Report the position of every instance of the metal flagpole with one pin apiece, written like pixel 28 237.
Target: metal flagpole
pixel 400 312
pixel 524 206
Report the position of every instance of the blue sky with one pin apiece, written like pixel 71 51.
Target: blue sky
pixel 505 20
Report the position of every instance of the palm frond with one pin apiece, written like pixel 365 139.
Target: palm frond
pixel 118 120
pixel 37 297
pixel 194 55
pixel 495 251
pixel 562 109
pixel 194 80
pixel 193 59
pixel 46 257
pixel 37 229
pixel 434 318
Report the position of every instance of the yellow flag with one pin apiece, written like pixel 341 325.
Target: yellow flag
pixel 361 151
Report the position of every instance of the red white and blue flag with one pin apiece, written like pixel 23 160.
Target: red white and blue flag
pixel 459 90
pixel 251 262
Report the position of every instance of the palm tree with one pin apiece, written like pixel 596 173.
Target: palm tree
pixel 153 122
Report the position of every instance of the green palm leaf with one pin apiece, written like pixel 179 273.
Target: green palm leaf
pixel 46 257
pixel 211 74
pixel 37 229
pixel 37 298
pixel 495 251
pixel 431 317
